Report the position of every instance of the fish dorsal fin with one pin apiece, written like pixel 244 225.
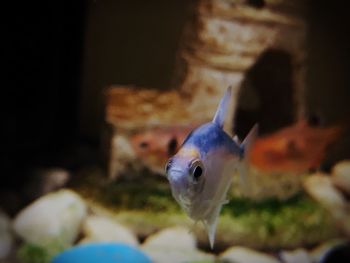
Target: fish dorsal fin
pixel 223 107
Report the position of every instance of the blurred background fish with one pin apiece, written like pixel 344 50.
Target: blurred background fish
pixel 295 148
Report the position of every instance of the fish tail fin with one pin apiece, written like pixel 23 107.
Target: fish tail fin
pixel 222 109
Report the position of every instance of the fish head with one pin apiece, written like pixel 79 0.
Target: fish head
pixel 187 175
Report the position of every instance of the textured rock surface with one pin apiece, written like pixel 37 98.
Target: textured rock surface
pixel 55 217
pixel 246 255
pixel 100 229
pixel 174 244
pixel 225 38
pixel 222 41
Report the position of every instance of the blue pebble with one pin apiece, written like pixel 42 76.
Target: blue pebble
pixel 102 252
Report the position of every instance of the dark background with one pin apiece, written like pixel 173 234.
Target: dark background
pixel 60 55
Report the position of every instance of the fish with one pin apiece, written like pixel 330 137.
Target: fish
pixel 154 146
pixel 201 172
pixel 297 148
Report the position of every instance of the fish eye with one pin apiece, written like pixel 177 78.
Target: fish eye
pixel 196 169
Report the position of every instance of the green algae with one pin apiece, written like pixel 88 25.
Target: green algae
pixel 145 205
pixel 31 253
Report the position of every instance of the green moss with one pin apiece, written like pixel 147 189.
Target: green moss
pixel 273 223
pixel 30 253
pixel 145 204
pixel 148 192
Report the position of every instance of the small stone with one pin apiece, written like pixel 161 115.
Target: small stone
pixel 172 238
pixel 6 238
pixel 246 255
pixel 99 229
pixel 174 245
pixel 296 256
pixel 341 175
pixel 321 188
pixel 55 217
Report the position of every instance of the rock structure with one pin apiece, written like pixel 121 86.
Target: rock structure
pixel 221 46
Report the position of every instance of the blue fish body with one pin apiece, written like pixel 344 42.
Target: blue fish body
pixel 201 172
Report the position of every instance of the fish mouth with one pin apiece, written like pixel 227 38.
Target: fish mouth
pixel 180 188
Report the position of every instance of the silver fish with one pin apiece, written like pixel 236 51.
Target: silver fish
pixel 200 173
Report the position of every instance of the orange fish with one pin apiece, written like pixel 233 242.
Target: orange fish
pixel 155 146
pixel 296 148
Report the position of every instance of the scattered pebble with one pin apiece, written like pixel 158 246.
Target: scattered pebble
pixel 341 175
pixel 239 254
pixel 296 256
pixel 320 188
pixel 174 245
pixel 174 238
pixel 53 217
pixel 98 229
